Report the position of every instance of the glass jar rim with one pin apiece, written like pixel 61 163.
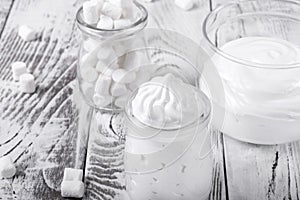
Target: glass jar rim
pixel 243 62
pixel 85 27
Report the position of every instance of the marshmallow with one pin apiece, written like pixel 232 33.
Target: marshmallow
pixel 129 9
pixel 103 67
pixel 89 74
pixel 27 33
pixel 185 4
pixel 103 85
pixel 71 174
pixel 18 68
pixel 27 84
pixel 112 10
pixel 121 101
pixel 88 60
pixel 90 45
pixel 108 72
pixel 87 89
pixel 142 76
pixel 121 23
pixel 106 52
pixel 91 11
pixel 7 167
pixel 102 101
pixel 123 76
pixel 73 189
pixel 105 22
pixel 132 61
pixel 118 89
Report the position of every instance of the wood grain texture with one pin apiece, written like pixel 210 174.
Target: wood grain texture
pixel 39 130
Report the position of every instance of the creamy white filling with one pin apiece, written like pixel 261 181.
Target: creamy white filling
pixel 264 91
pixel 167 102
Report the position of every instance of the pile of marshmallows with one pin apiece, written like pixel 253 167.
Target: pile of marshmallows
pixel 113 81
pixel 19 69
pixel 109 14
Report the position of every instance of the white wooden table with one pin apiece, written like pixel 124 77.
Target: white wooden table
pixel 43 134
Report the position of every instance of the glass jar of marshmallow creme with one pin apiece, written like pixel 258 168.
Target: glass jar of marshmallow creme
pixel 254 46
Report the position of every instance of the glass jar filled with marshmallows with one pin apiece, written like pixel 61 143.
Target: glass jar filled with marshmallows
pixel 105 73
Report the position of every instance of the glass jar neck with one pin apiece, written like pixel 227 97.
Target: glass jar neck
pixel 105 34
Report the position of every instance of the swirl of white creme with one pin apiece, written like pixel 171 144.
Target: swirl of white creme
pixel 166 102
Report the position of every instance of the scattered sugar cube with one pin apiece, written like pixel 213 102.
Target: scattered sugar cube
pixel 102 101
pixel 73 189
pixel 105 22
pixel 91 12
pixel 118 89
pixel 27 33
pixel 27 84
pixel 103 85
pixel 123 76
pixel 185 4
pixel 7 167
pixel 71 174
pixel 18 68
pixel 121 23
pixel 112 10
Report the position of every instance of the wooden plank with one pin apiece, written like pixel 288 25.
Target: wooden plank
pixel 258 171
pixel 39 131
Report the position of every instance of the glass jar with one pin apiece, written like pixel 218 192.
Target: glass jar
pixel 165 162
pixel 103 51
pixel 146 53
pixel 254 48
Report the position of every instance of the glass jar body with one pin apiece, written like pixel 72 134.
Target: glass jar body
pixel 258 99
